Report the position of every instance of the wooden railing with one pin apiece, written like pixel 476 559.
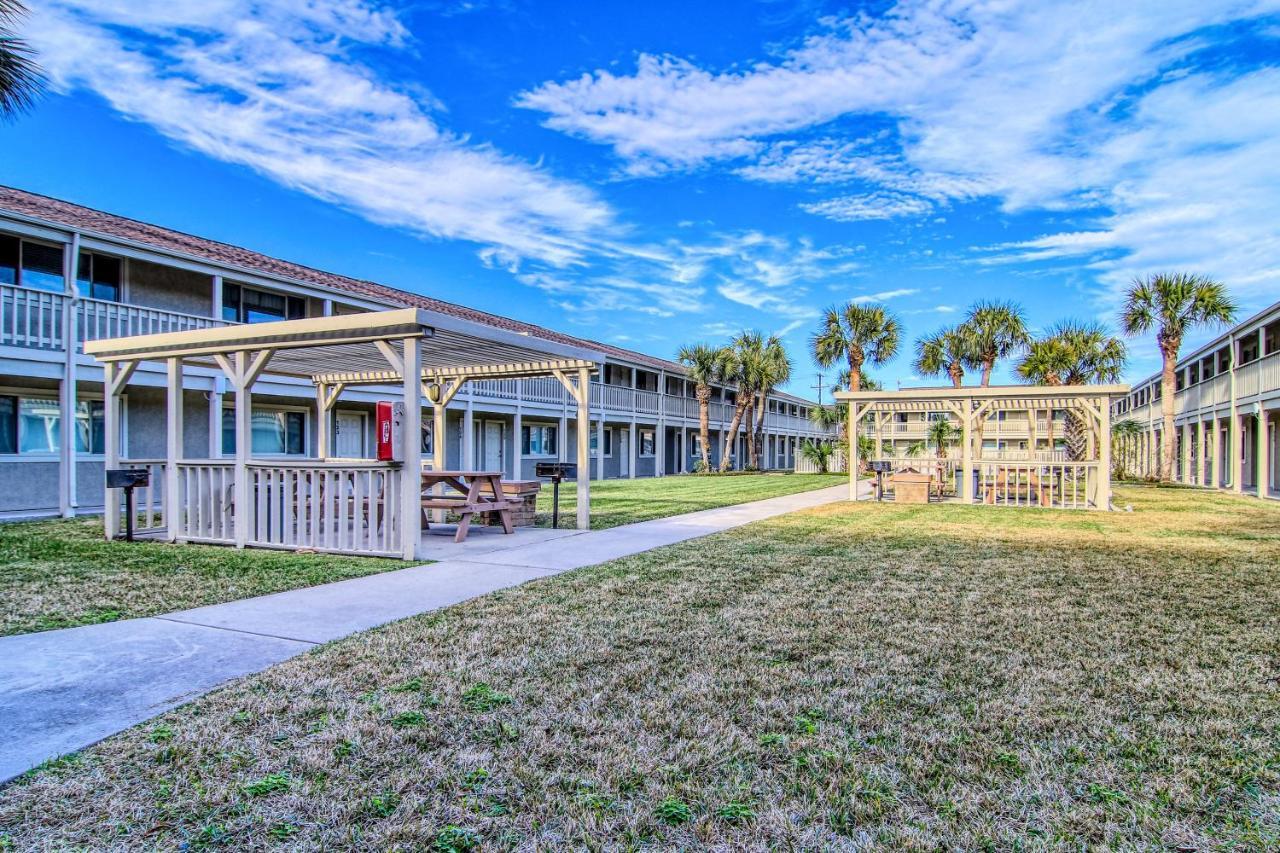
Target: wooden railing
pixel 342 508
pixel 148 501
pixel 205 501
pixel 32 318
pixel 1057 485
pixel 37 319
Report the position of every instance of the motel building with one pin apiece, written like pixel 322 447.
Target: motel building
pixel 71 275
pixel 1226 407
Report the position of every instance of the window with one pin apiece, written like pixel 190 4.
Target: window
pixel 695 444
pixel 647 443
pixel 1194 373
pixel 1224 359
pixel 1248 349
pixel 98 277
pixel 29 264
pixel 538 440
pixel 248 305
pixel 428 439
pixel 1206 367
pixel 33 425
pixel 608 441
pixel 272 431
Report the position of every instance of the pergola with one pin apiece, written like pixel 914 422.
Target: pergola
pixel 1005 477
pixel 349 506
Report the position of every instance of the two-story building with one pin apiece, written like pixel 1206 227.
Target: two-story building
pixel 70 274
pixel 1225 411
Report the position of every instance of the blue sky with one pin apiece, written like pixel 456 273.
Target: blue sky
pixel 660 173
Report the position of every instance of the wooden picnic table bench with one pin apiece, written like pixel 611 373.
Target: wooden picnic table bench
pixel 474 492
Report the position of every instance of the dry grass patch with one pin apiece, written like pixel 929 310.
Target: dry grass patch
pixel 615 502
pixel 851 677
pixel 58 574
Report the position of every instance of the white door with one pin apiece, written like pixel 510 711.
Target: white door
pixel 493 455
pixel 349 435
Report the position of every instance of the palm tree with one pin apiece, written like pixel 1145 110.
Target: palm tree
pixel 941 435
pixel 858 334
pixel 775 369
pixel 817 452
pixel 20 77
pixel 949 351
pixel 744 368
pixel 1073 352
pixel 995 330
pixel 704 366
pixel 1173 304
pixel 865 381
pixel 1123 434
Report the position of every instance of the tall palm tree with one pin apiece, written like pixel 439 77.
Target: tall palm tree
pixel 1124 435
pixel 775 370
pixel 950 351
pixel 1073 352
pixel 858 334
pixel 1173 304
pixel 995 330
pixel 744 366
pixel 20 78
pixel 704 366
pixel 865 381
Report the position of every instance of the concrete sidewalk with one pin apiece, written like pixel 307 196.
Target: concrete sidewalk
pixel 63 690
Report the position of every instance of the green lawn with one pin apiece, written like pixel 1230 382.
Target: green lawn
pixel 615 502
pixel 57 574
pixel 869 676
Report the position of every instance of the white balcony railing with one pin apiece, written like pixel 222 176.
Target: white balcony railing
pixel 36 319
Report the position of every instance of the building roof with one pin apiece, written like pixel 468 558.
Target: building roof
pixel 66 215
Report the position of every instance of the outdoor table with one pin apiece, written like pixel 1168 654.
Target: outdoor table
pixel 476 491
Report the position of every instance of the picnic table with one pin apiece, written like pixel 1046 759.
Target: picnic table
pixel 465 493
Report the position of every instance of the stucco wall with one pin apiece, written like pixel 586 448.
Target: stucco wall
pixel 169 288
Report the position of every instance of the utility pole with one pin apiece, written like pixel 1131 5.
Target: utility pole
pixel 818 387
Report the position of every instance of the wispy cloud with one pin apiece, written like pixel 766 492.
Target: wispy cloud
pixel 276 86
pixel 1139 115
pixel 884 295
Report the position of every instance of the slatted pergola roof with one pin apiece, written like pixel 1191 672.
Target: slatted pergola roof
pixel 358 344
pixel 993 398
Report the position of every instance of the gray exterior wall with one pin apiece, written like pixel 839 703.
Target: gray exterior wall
pixel 170 288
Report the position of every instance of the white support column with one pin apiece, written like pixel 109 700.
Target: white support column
pixel 215 417
pixel 966 450
pixel 682 458
pixel 468 435
pixel 562 438
pixel 324 418
pixel 631 448
pixel 111 453
pixel 411 471
pixel 215 298
pixel 173 448
pixel 517 445
pixel 244 450
pixel 1104 454
pixel 1184 454
pixel 67 489
pixel 584 449
pixel 600 448
pixel 1262 464
pixel 1234 459
pixel 854 412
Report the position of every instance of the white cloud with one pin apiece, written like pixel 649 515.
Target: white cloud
pixel 884 295
pixel 1096 107
pixel 854 208
pixel 274 86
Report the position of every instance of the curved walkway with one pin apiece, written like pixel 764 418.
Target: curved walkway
pixel 61 691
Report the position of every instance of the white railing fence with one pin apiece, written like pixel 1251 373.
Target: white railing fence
pixel 98 319
pixel 343 508
pixel 31 318
pixel 148 501
pixel 205 500
pixel 1058 485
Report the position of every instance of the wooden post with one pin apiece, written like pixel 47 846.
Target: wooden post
pixel 173 449
pixel 323 418
pixel 966 450
pixel 242 512
pixel 468 435
pixel 1235 460
pixel 1104 454
pixel 111 453
pixel 411 470
pixel 853 450
pixel 1261 464
pixel 517 445
pixel 600 446
pixel 1184 454
pixel 584 448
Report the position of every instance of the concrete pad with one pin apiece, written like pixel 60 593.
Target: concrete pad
pixel 438 542
pixel 63 690
pixel 319 614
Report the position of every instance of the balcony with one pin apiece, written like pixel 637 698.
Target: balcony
pixel 37 319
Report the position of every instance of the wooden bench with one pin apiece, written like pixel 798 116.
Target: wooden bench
pixel 471 498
